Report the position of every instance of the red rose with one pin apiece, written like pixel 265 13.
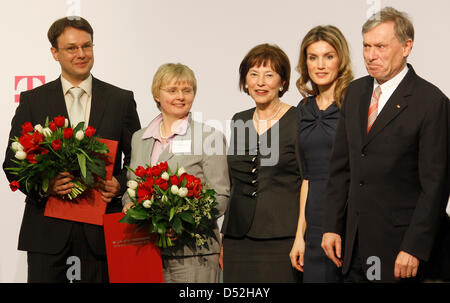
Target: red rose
pixel 26 141
pixel 164 166
pixel 56 144
pixel 60 121
pixel 174 180
pixel 145 190
pixel 148 172
pixel 31 142
pixel 44 151
pixel 197 189
pixel 140 171
pixel 31 158
pixel 183 176
pixel 68 133
pixel 27 127
pixel 90 131
pixel 156 171
pixel 52 126
pixel 14 185
pixel 162 183
pixel 190 180
pixel 37 138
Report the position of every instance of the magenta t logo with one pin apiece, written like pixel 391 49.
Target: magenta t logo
pixel 30 85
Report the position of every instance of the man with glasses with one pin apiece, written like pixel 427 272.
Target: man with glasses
pixel 79 96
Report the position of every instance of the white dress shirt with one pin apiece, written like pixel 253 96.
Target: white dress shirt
pixel 85 99
pixel 388 88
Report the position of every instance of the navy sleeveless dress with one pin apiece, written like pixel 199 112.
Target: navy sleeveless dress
pixel 316 131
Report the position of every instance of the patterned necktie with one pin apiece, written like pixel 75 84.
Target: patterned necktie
pixel 373 108
pixel 76 111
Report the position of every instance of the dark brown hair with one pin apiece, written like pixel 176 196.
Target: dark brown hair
pixel 264 54
pixel 58 27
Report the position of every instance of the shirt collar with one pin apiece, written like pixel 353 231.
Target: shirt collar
pixel 86 85
pixel 392 84
pixel 153 129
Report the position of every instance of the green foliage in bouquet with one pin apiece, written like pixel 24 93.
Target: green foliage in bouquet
pixel 165 201
pixel 41 153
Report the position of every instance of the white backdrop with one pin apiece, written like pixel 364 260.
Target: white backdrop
pixel 133 38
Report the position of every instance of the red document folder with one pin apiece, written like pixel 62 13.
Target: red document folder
pixel 89 207
pixel 132 257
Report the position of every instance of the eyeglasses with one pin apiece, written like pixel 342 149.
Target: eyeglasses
pixel 73 49
pixel 174 91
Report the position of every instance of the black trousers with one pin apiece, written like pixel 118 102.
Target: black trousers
pixel 75 262
pixel 357 271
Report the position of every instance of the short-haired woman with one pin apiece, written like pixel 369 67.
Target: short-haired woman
pixel 174 88
pixel 261 220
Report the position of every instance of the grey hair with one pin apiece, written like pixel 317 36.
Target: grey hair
pixel 403 26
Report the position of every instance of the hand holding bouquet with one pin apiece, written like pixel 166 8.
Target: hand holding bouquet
pixel 43 152
pixel 170 202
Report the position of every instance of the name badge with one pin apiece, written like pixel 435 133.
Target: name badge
pixel 181 146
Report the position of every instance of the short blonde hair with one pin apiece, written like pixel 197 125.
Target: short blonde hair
pixel 168 72
pixel 333 36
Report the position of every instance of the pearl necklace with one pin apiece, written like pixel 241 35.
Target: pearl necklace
pixel 271 118
pixel 160 132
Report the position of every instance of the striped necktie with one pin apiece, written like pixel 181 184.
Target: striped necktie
pixel 373 108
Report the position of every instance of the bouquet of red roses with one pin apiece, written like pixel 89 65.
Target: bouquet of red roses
pixel 42 152
pixel 167 200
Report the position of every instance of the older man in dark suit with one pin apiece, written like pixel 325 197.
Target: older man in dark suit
pixel 112 112
pixel 387 187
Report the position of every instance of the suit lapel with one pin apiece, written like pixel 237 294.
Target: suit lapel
pixel 366 94
pixel 146 150
pixel 57 103
pixel 394 106
pixel 98 103
pixel 166 155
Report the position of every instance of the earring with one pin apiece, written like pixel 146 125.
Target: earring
pixel 246 86
pixel 281 88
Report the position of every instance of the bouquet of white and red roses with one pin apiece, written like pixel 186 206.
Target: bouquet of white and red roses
pixel 166 200
pixel 42 152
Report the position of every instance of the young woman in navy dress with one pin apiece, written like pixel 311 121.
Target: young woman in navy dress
pixel 325 72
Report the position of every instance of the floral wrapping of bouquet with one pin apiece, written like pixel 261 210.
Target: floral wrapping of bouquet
pixel 42 152
pixel 165 201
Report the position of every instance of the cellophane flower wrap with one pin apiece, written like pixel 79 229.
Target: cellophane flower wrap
pixel 42 152
pixel 163 200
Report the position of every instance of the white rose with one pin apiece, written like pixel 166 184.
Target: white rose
pixel 131 192
pixel 39 128
pixel 165 176
pixel 47 132
pixel 79 135
pixel 132 184
pixel 147 203
pixel 182 192
pixel 16 146
pixel 174 189
pixel 181 171
pixel 20 155
pixel 66 123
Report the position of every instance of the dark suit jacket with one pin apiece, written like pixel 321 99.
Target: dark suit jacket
pixel 390 184
pixel 265 193
pixel 113 115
